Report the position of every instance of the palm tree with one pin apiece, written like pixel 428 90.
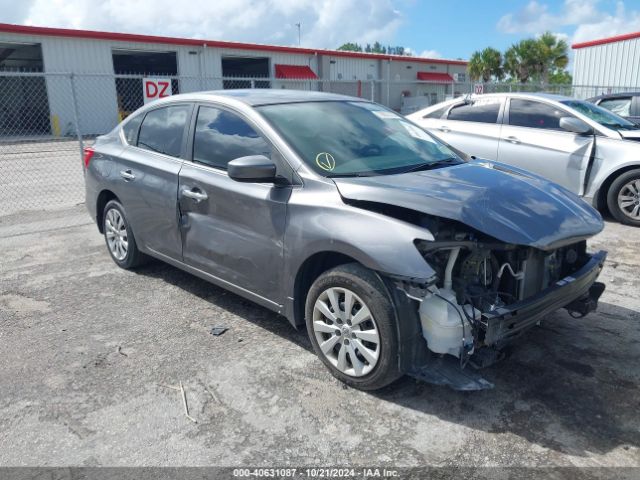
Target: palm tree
pixel 522 60
pixel 485 64
pixel 553 55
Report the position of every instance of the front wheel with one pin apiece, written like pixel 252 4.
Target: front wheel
pixel 351 323
pixel 623 198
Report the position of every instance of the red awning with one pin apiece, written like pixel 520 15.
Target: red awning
pixel 435 77
pixel 301 72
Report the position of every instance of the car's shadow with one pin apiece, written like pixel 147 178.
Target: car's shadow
pixel 572 386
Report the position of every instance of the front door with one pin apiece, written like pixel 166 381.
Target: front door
pixel 532 139
pixel 231 230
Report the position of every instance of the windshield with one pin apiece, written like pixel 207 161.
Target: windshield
pixel 340 138
pixel 600 115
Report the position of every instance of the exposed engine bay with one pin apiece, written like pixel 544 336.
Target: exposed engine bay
pixel 483 286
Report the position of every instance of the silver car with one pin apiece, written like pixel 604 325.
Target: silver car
pixel 397 254
pixel 587 149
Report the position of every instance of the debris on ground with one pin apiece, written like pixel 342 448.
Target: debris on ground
pixel 218 330
pixel 183 394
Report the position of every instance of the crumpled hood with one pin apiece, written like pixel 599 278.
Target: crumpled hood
pixel 507 203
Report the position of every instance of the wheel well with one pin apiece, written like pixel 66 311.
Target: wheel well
pixel 309 271
pixel 104 197
pixel 601 196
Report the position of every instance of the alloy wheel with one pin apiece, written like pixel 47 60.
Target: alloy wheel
pixel 629 199
pixel 116 233
pixel 346 331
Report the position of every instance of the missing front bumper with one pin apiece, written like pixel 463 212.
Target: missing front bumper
pixel 578 292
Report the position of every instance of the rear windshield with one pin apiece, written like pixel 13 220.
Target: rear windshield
pixel 342 138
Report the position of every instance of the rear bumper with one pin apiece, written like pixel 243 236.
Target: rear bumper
pixel 504 324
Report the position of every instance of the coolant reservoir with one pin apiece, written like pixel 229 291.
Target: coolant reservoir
pixel 442 323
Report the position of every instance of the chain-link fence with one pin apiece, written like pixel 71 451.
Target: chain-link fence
pixel 46 119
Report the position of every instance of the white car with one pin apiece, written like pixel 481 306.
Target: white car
pixel 587 149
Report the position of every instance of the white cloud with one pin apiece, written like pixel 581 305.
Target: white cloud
pixel 589 21
pixel 535 16
pixel 325 23
pixel 609 25
pixel 430 54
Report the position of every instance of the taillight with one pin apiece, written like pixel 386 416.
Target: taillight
pixel 88 153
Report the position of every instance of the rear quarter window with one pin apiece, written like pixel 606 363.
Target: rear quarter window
pixel 130 129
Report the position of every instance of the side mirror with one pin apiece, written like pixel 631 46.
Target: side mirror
pixel 254 168
pixel 575 125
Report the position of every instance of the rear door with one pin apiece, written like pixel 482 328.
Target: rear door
pixel 232 230
pixel 147 176
pixel 532 139
pixel 473 127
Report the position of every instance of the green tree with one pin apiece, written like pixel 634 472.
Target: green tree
pixel 350 47
pixel 560 78
pixel 553 56
pixel 522 60
pixel 485 65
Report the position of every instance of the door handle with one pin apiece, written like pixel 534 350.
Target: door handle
pixel 445 129
pixel 513 140
pixel 127 175
pixel 194 194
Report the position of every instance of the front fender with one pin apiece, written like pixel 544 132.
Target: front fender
pixel 379 242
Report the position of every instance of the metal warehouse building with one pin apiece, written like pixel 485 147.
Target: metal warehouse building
pixel 96 77
pixel 608 63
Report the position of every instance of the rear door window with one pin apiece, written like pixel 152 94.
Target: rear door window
pixel 532 114
pixel 222 136
pixel 618 105
pixel 482 110
pixel 163 130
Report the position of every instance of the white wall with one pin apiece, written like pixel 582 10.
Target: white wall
pixel 608 65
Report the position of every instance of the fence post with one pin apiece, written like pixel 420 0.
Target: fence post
pixel 76 117
pixel 373 90
pixel 253 83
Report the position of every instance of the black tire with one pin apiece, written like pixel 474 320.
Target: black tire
pixel 612 197
pixel 368 287
pixel 133 257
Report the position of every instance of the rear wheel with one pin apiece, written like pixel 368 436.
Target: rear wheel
pixel 350 321
pixel 119 237
pixel 623 198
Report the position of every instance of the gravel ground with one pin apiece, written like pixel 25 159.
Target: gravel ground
pixel 89 352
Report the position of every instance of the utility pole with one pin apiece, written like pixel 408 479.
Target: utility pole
pixel 298 25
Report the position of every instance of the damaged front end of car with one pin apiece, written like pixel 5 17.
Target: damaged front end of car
pixel 507 248
pixel 486 293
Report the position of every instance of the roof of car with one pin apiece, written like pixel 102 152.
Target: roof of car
pixel 616 95
pixel 548 96
pixel 264 96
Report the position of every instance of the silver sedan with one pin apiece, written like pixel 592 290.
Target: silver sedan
pixel 587 149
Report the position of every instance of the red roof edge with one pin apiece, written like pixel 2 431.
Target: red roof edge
pixel 133 37
pixel 434 77
pixel 296 72
pixel 603 41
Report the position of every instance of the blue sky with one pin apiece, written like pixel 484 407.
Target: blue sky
pixel 471 25
pixel 433 28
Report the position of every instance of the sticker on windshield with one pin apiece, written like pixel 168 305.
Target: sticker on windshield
pixel 417 132
pixel 384 114
pixel 326 161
